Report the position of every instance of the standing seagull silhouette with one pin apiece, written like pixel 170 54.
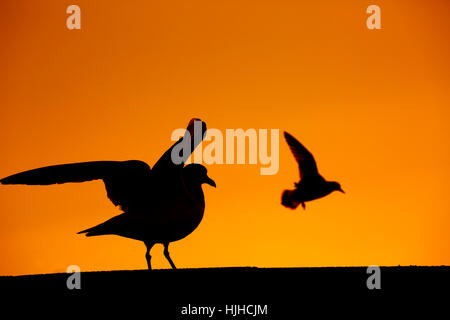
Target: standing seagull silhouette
pixel 311 185
pixel 160 206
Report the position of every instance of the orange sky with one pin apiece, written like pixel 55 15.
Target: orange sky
pixel 372 106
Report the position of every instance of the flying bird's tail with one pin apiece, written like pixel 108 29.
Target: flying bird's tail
pixel 287 199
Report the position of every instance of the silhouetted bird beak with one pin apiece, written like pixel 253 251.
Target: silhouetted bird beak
pixel 341 190
pixel 210 181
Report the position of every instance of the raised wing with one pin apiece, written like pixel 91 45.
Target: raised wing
pixel 306 163
pixel 125 181
pixel 195 133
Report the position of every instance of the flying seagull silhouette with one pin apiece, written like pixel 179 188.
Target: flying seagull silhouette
pixel 159 206
pixel 311 185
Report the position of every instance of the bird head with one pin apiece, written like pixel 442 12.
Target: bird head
pixel 196 173
pixel 335 186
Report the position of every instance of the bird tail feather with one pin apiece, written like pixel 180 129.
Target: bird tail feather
pixel 98 230
pixel 288 200
pixel 91 232
pixel 111 226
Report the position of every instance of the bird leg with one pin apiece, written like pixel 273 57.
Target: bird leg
pixel 303 205
pixel 167 255
pixel 148 257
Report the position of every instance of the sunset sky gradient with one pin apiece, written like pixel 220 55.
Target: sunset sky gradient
pixel 373 106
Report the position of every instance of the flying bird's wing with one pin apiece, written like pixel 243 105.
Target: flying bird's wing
pixel 306 163
pixel 195 133
pixel 125 181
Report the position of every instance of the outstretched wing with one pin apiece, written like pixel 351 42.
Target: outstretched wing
pixel 195 133
pixel 306 163
pixel 125 181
